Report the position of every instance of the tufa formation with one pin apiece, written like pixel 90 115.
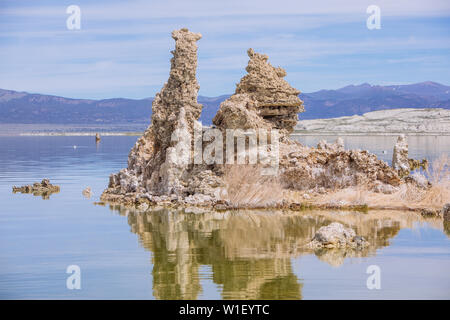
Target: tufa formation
pixel 158 164
pixel 160 170
pixel 43 189
pixel 263 99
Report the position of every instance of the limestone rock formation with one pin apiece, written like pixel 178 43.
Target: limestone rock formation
pixel 158 164
pixel 400 156
pixel 335 235
pixel 44 189
pixel 160 169
pixel 330 166
pixel 263 99
pixel 174 111
pixel 180 91
pixel 87 193
pixel 400 161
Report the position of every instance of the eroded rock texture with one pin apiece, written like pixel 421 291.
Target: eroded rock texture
pixel 160 157
pixel 330 166
pixel 400 156
pixel 44 189
pixel 335 235
pixel 160 169
pixel 446 212
pixel 400 161
pixel 263 99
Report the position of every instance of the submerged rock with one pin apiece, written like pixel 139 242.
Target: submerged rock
pixel 44 189
pixel 335 235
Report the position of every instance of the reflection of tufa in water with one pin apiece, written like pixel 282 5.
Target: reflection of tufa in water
pixel 249 254
pixel 44 189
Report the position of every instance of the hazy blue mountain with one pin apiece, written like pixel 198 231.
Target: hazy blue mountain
pixel 210 107
pixel 23 107
pixel 359 99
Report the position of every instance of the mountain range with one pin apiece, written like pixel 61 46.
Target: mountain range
pixel 23 107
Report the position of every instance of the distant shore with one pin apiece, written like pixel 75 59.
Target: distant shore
pixel 294 134
pixel 369 133
pixel 412 122
pixel 418 122
pixel 81 134
pixel 48 129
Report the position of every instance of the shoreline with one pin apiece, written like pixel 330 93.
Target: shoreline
pixel 136 205
pixel 369 133
pixel 79 134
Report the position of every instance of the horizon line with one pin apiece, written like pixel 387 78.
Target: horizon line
pixel 225 94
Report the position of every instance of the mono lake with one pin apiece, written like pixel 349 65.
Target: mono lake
pixel 167 254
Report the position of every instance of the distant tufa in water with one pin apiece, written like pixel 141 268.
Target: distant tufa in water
pixel 44 189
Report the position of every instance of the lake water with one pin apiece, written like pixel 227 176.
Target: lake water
pixel 183 255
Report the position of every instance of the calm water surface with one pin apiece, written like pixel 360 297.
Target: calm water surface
pixel 183 255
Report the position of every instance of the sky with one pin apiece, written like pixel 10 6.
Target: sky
pixel 123 47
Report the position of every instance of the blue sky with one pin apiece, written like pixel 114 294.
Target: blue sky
pixel 123 47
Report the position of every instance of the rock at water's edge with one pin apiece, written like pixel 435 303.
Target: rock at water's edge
pixel 335 235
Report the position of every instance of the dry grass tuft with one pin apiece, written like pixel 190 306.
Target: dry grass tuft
pixel 408 195
pixel 351 196
pixel 245 187
pixel 439 175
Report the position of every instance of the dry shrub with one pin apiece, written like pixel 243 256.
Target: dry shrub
pixel 432 197
pixel 353 195
pixel 408 194
pixel 245 186
pixel 439 175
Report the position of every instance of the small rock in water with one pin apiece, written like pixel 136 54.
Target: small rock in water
pixel 335 235
pixel 87 192
pixel 44 189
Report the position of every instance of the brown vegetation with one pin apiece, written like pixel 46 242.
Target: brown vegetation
pixel 409 195
pixel 245 186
